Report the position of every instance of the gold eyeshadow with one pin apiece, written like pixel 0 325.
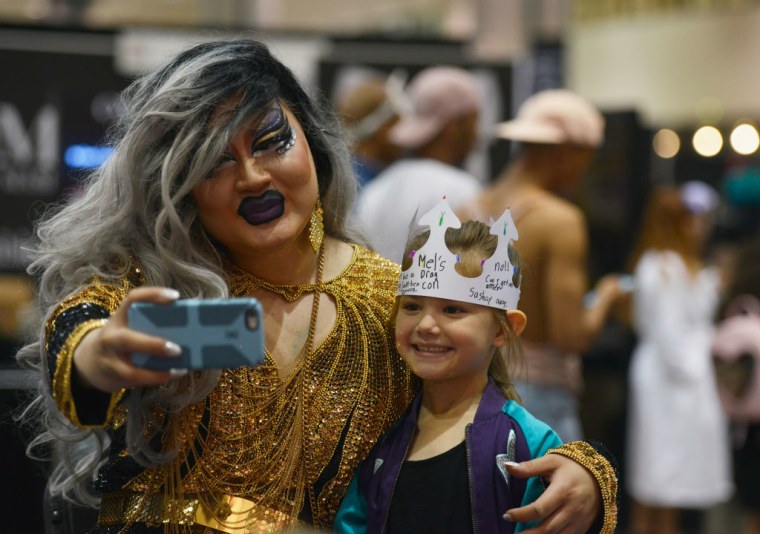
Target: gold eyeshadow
pixel 273 133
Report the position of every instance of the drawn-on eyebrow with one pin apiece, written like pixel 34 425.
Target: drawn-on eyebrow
pixel 274 122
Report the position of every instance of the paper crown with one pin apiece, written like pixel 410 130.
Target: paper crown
pixel 433 273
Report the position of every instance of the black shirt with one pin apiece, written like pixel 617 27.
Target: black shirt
pixel 433 495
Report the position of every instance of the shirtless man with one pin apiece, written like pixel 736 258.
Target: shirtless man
pixel 558 134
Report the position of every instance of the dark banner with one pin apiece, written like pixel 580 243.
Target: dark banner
pixel 58 94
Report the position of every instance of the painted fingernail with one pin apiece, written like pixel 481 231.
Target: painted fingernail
pixel 508 517
pixel 172 349
pixel 176 373
pixel 171 294
pixel 511 464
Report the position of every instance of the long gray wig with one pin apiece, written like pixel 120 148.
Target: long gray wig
pixel 138 206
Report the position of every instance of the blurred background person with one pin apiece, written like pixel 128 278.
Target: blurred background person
pixel 558 133
pixel 436 134
pixel 678 451
pixel 368 110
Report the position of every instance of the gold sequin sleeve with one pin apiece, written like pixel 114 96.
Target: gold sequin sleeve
pixel 601 469
pixel 71 320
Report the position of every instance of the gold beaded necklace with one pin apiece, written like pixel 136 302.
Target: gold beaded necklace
pixel 253 442
pixel 251 453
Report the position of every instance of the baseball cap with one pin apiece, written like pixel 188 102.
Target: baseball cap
pixel 436 95
pixel 555 116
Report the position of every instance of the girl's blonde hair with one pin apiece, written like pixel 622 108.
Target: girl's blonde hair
pixel 474 243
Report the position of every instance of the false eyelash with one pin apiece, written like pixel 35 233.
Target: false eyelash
pixel 289 143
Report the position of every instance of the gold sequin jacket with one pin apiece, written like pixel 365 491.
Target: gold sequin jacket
pixel 286 449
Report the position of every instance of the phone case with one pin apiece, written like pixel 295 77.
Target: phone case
pixel 213 333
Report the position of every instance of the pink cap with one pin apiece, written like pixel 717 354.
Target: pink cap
pixel 555 116
pixel 437 95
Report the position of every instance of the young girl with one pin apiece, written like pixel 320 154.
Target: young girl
pixel 443 466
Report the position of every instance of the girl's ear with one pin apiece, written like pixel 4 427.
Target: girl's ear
pixel 517 320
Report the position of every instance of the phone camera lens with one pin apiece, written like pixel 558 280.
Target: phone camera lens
pixel 252 319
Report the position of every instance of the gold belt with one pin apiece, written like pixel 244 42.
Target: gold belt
pixel 232 514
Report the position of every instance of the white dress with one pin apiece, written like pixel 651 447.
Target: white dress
pixel 678 440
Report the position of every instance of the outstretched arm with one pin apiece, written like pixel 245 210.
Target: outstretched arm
pixel 88 344
pixel 102 359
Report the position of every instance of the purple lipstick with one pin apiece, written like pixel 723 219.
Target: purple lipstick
pixel 263 208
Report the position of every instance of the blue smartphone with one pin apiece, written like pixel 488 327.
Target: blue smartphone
pixel 213 333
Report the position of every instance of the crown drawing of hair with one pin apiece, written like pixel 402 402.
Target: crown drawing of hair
pixel 441 251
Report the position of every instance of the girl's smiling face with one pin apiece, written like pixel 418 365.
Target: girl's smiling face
pixel 447 340
pixel 260 194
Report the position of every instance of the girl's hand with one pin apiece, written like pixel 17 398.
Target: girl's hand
pixel 103 358
pixel 572 499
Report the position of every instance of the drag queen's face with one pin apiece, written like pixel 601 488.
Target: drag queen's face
pixel 261 193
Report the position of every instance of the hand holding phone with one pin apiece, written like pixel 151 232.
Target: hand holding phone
pixel 212 333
